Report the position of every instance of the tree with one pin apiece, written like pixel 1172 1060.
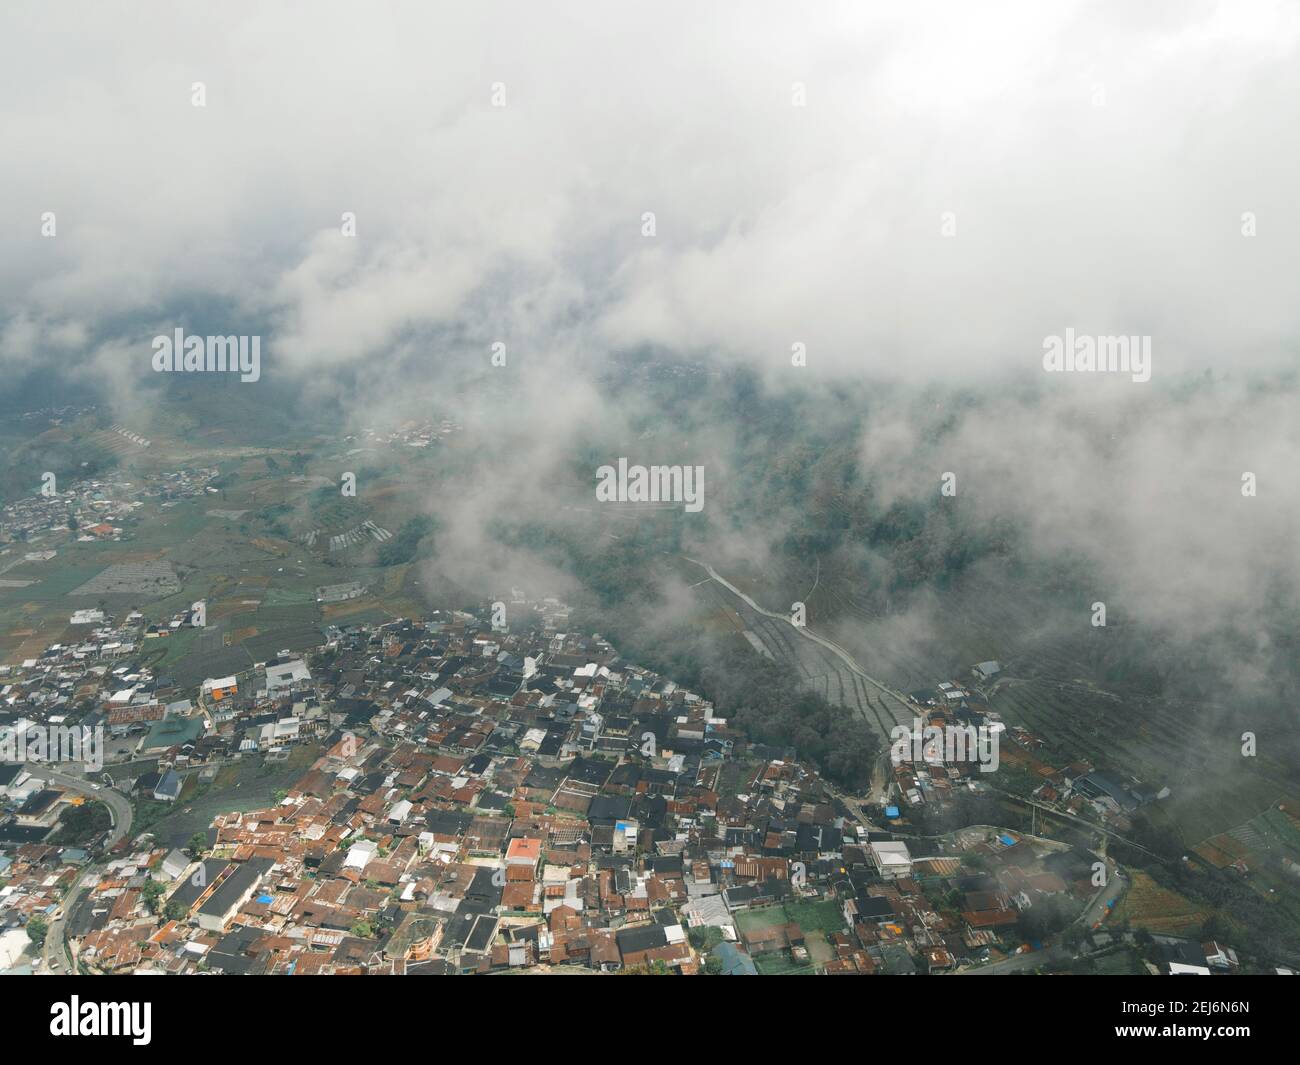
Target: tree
pixel 655 968
pixel 197 845
pixel 37 929
pixel 705 938
pixel 402 547
pixel 1045 917
pixel 152 893
pixel 175 910
pixel 80 823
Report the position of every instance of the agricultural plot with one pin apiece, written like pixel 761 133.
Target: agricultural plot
pixel 1222 851
pixel 49 581
pixel 940 633
pixel 20 644
pixel 1198 760
pixel 819 667
pixel 368 609
pixel 194 668
pixel 364 533
pixel 174 647
pixel 1049 687
pixel 168 527
pixel 283 595
pixel 265 646
pixel 287 616
pixel 1159 910
pixel 1262 845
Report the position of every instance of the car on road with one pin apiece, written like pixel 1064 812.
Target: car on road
pixel 95 787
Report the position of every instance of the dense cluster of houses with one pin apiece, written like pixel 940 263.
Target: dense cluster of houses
pixel 419 433
pixel 480 797
pixel 932 773
pixel 90 509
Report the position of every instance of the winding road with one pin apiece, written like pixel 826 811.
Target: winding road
pixel 821 662
pixel 120 810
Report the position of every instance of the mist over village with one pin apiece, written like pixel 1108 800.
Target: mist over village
pixel 621 490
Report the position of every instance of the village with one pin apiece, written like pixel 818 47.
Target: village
pixel 461 796
pixel 89 509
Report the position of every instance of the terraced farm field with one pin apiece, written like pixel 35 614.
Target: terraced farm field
pixel 1047 686
pixel 820 667
pixel 1160 911
pixel 1182 748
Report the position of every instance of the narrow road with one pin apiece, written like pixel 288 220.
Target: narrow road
pixel 892 703
pixel 117 803
pixel 56 938
pixel 120 811
pixel 1081 821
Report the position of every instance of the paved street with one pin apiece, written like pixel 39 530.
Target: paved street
pixel 120 810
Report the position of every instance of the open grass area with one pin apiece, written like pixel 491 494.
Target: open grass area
pixel 821 915
pixel 763 917
pixel 55 579
pixel 782 965
pixel 811 915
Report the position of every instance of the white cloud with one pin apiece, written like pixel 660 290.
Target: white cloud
pixel 775 222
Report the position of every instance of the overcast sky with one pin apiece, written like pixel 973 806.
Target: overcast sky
pixel 1098 159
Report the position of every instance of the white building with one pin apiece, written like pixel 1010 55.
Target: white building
pixel 285 675
pixel 891 860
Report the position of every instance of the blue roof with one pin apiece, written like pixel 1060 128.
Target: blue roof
pixel 891 811
pixel 734 962
pixel 169 784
